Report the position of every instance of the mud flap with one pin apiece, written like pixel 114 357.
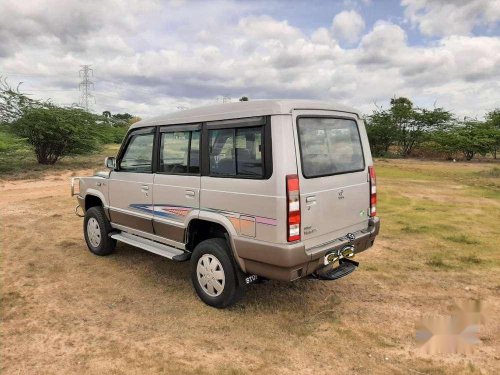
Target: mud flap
pixel 345 267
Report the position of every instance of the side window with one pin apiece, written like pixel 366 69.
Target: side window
pixel 180 152
pixel 194 153
pixel 236 152
pixel 138 155
pixel 222 161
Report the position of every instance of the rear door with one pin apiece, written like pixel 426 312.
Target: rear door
pixel 177 181
pixel 332 166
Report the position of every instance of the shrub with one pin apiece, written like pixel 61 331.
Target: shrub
pixel 55 132
pixel 12 150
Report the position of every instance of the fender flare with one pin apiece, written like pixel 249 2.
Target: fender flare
pixel 217 218
pixel 97 194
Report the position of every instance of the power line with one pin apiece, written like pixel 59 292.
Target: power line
pixel 86 85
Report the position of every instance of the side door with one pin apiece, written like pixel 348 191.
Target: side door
pixel 177 181
pixel 131 183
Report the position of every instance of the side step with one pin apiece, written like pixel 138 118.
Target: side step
pixel 345 267
pixel 152 246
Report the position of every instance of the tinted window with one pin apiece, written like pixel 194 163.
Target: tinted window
pixel 329 146
pixel 176 154
pixel 236 152
pixel 139 154
pixel 194 154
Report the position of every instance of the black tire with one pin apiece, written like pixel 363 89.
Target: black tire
pixel 105 245
pixel 232 289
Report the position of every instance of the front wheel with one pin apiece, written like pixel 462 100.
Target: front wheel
pixel 214 275
pixel 96 228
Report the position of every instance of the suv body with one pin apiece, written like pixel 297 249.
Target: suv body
pixel 285 184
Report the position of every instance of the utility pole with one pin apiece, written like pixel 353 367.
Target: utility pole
pixel 85 86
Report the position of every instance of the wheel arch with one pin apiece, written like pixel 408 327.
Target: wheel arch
pixel 213 226
pixel 95 198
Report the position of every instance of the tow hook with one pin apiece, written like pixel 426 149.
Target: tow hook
pixel 77 208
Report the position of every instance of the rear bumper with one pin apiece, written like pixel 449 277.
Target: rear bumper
pixel 292 261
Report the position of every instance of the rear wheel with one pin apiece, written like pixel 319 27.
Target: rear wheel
pixel 214 274
pixel 96 228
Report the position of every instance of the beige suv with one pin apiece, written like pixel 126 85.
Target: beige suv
pixel 272 189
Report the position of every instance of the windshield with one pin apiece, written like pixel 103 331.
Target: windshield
pixel 329 146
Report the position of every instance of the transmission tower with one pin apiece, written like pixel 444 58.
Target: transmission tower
pixel 223 99
pixel 85 86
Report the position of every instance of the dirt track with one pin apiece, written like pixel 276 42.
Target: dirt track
pixel 65 310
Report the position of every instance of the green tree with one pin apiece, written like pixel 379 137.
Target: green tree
pixel 13 103
pixel 123 116
pixel 493 121
pixel 244 99
pixel 56 132
pixel 469 137
pixel 382 132
pixel 405 125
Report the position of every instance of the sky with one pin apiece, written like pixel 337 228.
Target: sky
pixel 153 57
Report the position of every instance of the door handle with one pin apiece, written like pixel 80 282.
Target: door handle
pixel 311 199
pixel 190 193
pixel 144 187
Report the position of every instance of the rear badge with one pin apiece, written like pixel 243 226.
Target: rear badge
pixel 351 237
pixel 362 213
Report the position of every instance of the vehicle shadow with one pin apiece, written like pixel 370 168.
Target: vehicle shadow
pixel 268 295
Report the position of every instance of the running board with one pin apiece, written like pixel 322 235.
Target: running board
pixel 151 246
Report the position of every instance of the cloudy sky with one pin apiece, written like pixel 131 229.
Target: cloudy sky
pixel 151 57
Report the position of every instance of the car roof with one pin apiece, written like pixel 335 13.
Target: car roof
pixel 250 108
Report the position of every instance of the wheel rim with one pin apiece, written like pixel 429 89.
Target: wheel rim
pixel 94 232
pixel 211 275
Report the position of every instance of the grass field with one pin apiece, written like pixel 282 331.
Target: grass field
pixel 64 310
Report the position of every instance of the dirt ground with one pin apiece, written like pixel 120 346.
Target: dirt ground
pixel 64 310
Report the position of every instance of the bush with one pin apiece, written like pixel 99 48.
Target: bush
pixel 55 132
pixel 111 133
pixel 12 150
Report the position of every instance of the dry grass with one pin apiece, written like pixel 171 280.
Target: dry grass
pixel 67 311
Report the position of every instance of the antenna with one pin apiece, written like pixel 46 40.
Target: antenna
pixel 85 86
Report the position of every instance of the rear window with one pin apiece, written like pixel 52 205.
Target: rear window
pixel 329 146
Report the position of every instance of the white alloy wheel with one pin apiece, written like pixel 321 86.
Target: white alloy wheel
pixel 94 232
pixel 211 275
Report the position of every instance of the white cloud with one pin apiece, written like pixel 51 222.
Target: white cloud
pixel 158 56
pixel 448 17
pixel 348 26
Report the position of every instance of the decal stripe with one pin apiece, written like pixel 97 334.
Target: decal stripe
pixel 179 212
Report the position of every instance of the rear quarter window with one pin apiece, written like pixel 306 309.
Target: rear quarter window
pixel 329 146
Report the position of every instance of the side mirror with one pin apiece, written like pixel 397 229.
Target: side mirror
pixel 110 162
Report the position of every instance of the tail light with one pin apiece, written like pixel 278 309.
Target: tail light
pixel 373 191
pixel 293 207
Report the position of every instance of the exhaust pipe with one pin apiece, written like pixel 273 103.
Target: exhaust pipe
pixel 333 270
pixel 346 252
